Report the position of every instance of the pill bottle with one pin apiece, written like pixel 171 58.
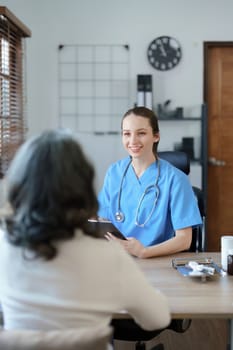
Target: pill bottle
pixel 230 262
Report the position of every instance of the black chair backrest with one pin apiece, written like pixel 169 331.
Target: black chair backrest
pixel 181 161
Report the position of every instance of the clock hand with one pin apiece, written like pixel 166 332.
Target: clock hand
pixel 162 50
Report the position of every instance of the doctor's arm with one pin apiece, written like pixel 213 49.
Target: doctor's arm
pixel 180 242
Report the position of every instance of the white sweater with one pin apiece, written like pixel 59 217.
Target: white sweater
pixel 88 281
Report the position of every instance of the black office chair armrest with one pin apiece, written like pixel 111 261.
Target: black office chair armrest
pixel 200 199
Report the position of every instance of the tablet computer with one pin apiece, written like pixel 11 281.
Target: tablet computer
pixel 104 226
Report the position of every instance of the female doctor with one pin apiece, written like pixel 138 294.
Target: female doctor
pixel 150 201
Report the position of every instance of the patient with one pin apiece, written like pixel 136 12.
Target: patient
pixel 56 273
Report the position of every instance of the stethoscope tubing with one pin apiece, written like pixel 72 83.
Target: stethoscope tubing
pixel 119 215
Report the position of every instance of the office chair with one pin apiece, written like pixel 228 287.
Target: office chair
pixel 127 329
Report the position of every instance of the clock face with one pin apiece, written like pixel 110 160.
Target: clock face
pixel 164 53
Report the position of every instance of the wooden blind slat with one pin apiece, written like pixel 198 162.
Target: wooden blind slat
pixel 12 119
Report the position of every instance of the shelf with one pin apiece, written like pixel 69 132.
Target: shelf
pixel 179 119
pixel 200 162
pixel 195 161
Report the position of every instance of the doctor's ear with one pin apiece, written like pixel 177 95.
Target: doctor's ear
pixel 157 137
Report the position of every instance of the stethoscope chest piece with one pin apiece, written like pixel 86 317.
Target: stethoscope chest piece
pixel 119 216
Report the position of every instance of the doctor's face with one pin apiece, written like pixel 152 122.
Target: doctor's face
pixel 138 137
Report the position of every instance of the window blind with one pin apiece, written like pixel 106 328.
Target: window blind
pixel 12 118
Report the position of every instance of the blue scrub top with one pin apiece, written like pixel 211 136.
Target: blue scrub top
pixel 175 209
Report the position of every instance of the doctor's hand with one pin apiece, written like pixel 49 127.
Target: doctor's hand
pixel 131 245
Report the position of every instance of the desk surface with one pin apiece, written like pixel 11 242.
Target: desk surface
pixel 190 297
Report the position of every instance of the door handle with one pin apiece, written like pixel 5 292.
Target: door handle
pixel 216 162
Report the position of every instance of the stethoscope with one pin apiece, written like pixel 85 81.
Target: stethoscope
pixel 119 216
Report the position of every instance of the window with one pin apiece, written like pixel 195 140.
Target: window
pixel 12 119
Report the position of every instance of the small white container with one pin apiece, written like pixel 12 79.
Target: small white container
pixel 226 245
pixel 230 262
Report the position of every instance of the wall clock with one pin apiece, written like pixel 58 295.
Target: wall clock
pixel 164 53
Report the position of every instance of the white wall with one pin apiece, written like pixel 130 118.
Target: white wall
pixel 133 22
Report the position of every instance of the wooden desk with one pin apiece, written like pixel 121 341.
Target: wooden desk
pixel 191 297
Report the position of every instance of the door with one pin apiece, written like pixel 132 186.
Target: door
pixel 218 94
